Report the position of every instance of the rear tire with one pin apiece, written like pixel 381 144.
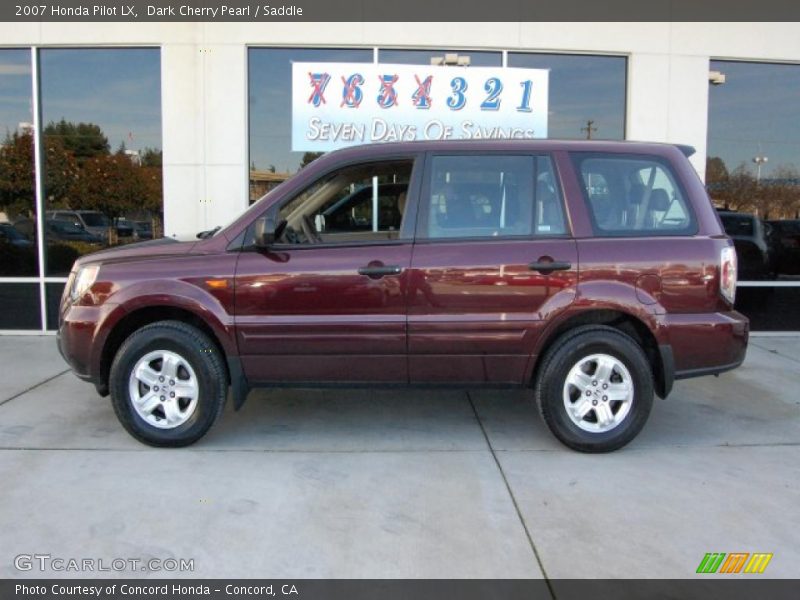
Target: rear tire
pixel 595 389
pixel 168 384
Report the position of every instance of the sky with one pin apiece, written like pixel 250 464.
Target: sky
pixel 15 89
pixel 755 112
pixel 117 89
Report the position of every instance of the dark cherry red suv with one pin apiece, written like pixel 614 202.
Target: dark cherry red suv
pixel 595 273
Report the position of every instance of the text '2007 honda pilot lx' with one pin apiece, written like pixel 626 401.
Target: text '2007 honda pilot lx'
pixel 595 273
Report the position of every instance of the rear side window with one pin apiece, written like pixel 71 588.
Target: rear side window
pixel 491 196
pixel 633 195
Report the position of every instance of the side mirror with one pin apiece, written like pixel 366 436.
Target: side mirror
pixel 264 232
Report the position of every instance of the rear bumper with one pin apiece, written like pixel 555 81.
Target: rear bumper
pixel 704 344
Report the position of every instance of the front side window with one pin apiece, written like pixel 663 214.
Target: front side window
pixel 492 196
pixel 633 195
pixel 359 203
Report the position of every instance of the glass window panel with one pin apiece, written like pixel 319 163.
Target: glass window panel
pixel 18 248
pixel 270 111
pixel 423 57
pixel 587 93
pixel 770 308
pixel 101 115
pixel 53 293
pixel 21 308
pixel 753 166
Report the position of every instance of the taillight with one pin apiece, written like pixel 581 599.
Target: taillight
pixel 727 274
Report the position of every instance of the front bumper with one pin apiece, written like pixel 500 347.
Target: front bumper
pixel 81 337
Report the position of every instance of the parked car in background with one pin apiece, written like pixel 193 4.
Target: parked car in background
pixel 11 235
pixel 124 228
pixel 67 231
pixel 143 230
pixel 753 243
pixel 592 273
pixel 93 221
pixel 787 243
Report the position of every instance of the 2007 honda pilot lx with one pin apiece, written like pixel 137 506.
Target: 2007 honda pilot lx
pixel 595 273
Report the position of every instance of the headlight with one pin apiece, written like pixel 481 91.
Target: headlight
pixel 83 281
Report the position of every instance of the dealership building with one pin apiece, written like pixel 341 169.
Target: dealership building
pixel 116 132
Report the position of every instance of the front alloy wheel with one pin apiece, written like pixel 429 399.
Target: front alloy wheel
pixel 168 383
pixel 164 389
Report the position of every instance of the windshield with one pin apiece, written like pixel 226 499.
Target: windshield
pixel 94 219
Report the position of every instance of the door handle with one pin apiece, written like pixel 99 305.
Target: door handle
pixel 378 271
pixel 546 265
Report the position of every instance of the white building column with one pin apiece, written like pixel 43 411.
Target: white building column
pixel 204 122
pixel 668 101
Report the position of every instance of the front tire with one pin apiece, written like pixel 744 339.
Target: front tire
pixel 168 384
pixel 595 389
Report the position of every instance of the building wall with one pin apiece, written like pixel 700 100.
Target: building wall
pixel 204 81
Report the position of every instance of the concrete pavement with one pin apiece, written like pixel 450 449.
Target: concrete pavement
pixel 358 483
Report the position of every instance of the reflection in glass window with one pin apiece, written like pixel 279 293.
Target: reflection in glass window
pixel 270 111
pixel 476 58
pixel 587 94
pixel 18 248
pixel 101 146
pixel 753 166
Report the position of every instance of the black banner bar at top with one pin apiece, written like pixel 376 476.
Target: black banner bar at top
pixel 486 11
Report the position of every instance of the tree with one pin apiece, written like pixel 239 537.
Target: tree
pixel 740 191
pixel 309 157
pixel 61 173
pixel 716 171
pixel 17 180
pixel 782 193
pixel 83 140
pixel 151 157
pixel 112 184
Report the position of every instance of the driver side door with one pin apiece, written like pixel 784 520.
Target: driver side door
pixel 327 302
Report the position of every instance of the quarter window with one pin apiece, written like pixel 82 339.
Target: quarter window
pixel 633 195
pixel 492 196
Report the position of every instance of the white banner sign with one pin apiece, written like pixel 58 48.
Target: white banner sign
pixel 345 104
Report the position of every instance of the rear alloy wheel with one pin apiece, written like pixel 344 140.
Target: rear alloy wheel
pixel 168 384
pixel 595 389
pixel 598 393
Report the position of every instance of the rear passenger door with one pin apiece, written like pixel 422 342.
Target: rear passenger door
pixel 492 256
pixel 642 238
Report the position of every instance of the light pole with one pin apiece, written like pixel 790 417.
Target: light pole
pixel 759 160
